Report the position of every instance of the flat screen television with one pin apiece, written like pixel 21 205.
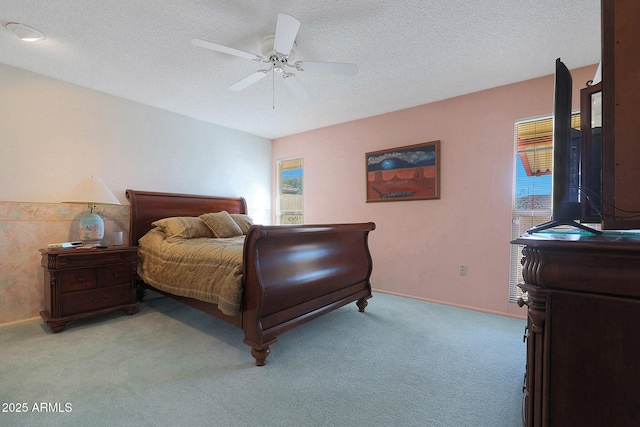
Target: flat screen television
pixel 566 209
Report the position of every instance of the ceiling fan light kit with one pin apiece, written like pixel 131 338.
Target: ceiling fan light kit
pixel 277 51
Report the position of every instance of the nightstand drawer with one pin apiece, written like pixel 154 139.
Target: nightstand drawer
pixel 95 299
pixel 116 275
pixel 77 280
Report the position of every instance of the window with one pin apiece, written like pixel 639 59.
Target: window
pixel 533 185
pixel 290 194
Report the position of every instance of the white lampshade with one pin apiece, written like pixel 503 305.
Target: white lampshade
pixel 597 78
pixel 92 191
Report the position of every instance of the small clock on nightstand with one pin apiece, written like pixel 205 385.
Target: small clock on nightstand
pixel 86 282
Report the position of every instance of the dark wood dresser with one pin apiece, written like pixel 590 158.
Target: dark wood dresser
pixel 86 282
pixel 583 337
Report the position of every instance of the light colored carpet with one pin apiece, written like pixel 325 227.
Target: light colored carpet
pixel 402 363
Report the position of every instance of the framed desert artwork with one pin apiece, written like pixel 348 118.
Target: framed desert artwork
pixel 404 173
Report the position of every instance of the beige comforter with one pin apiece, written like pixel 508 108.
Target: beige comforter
pixel 207 269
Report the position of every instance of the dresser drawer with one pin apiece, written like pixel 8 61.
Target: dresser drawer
pixel 95 299
pixel 77 280
pixel 116 275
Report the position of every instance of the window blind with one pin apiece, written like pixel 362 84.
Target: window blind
pixel 533 185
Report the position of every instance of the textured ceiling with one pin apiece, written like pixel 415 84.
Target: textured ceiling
pixel 409 52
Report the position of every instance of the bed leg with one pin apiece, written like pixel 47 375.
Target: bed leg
pixel 362 303
pixel 260 354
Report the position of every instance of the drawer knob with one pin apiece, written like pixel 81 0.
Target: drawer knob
pixel 80 280
pixel 97 300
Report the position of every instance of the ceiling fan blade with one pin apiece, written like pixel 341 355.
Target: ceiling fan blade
pixel 249 80
pixel 297 87
pixel 327 67
pixel 225 49
pixel 286 32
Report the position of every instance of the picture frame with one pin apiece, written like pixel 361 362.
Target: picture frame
pixel 404 173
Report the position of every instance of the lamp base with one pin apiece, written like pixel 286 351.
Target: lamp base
pixel 91 230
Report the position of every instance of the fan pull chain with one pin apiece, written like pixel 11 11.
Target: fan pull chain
pixel 273 90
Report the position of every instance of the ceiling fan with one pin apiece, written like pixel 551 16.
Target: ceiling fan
pixel 276 51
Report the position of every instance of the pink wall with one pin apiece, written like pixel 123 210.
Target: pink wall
pixel 418 246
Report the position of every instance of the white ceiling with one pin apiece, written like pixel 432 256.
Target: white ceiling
pixel 409 52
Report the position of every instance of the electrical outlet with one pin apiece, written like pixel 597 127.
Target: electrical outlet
pixel 463 270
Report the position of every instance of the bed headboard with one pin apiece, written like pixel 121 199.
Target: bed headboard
pixel 147 206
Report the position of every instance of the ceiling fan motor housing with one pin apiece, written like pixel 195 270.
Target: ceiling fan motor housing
pixel 276 58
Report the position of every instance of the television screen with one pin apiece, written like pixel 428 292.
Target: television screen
pixel 565 208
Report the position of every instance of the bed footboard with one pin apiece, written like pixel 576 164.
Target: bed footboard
pixel 296 273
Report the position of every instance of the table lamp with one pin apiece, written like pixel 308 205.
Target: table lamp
pixel 92 191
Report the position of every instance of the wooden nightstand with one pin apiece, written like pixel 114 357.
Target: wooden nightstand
pixel 85 282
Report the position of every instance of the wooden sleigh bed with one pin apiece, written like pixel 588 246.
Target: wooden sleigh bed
pixel 290 274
